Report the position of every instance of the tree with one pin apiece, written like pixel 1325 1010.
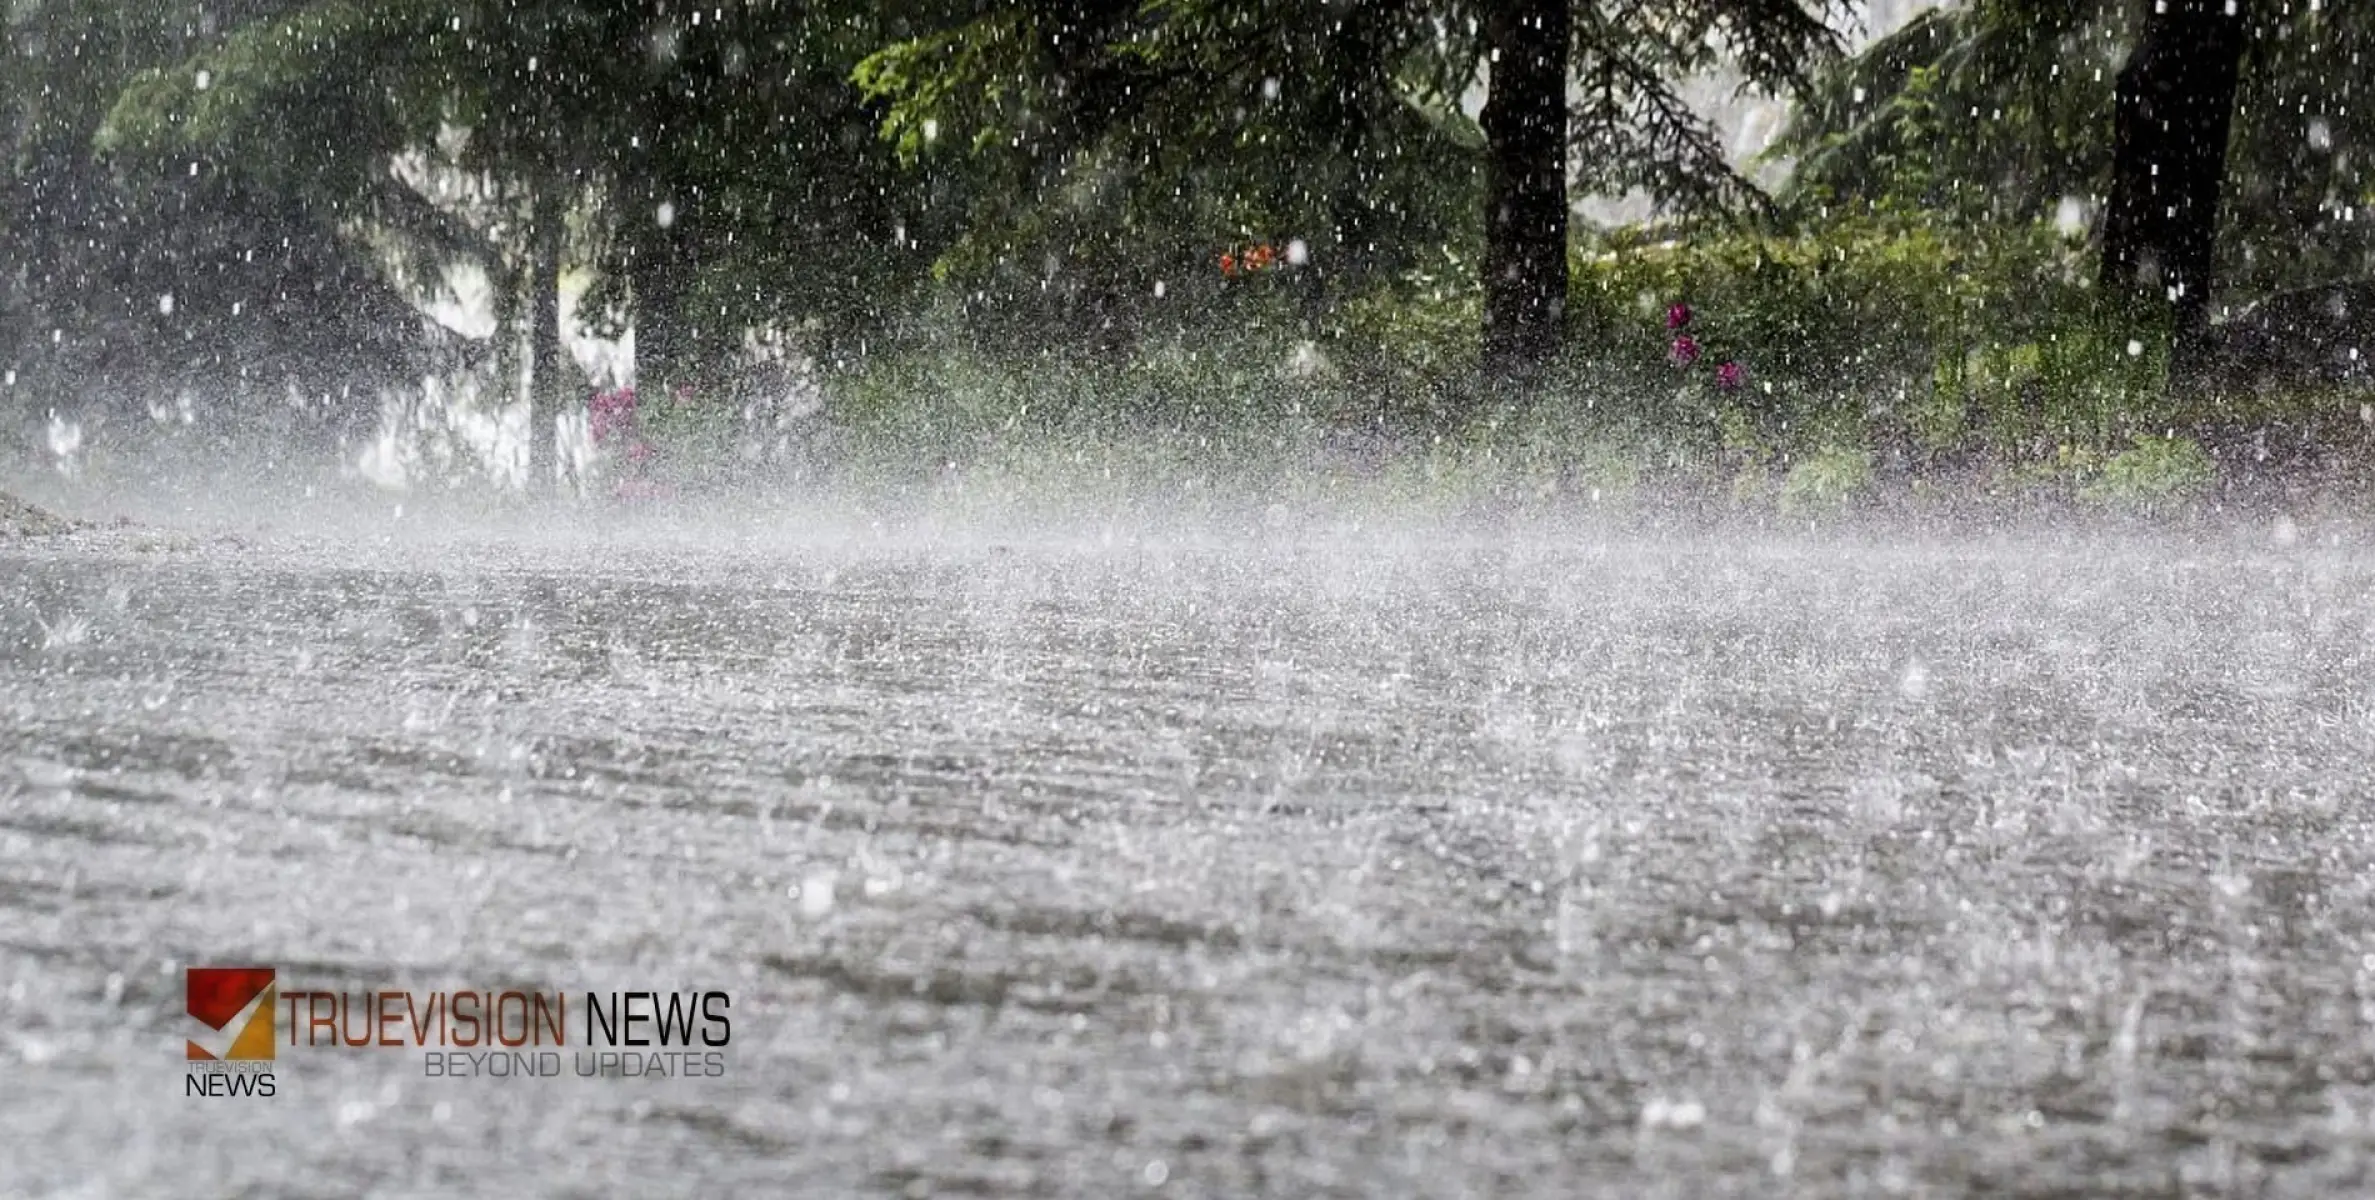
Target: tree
pixel 747 188
pixel 1061 167
pixel 1082 155
pixel 547 392
pixel 2016 110
pixel 1995 110
pixel 1161 128
pixel 303 109
pixel 125 286
pixel 716 168
pixel 1525 130
pixel 2176 102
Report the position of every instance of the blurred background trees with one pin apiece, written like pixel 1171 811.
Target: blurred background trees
pixel 282 206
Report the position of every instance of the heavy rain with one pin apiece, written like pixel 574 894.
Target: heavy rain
pixel 1187 597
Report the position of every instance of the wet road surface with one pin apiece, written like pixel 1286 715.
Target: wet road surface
pixel 1503 864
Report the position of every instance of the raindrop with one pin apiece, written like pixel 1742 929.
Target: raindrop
pixel 667 214
pixel 165 305
pixel 1297 252
pixel 2135 348
pixel 1673 1114
pixel 816 896
pixel 205 79
pixel 65 438
pixel 1914 683
pixel 2069 216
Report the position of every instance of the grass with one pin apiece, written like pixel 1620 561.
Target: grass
pixel 1235 420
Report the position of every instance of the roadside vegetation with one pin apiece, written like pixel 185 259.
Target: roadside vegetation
pixel 2107 254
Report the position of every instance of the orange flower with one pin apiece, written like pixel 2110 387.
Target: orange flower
pixel 1228 263
pixel 1258 258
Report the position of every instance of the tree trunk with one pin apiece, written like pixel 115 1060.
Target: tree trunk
pixel 545 389
pixel 1337 258
pixel 667 346
pixel 2175 103
pixel 1525 216
pixel 1356 76
pixel 510 284
pixel 661 236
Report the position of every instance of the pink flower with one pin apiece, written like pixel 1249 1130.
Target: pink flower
pixel 1686 350
pixel 1678 315
pixel 1730 375
pixel 611 413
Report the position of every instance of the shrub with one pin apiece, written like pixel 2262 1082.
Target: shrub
pixel 1826 480
pixel 1945 339
pixel 2153 472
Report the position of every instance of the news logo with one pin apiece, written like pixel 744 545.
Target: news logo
pixel 236 1029
pixel 230 1046
pixel 235 1004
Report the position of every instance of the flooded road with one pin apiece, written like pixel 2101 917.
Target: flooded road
pixel 1511 864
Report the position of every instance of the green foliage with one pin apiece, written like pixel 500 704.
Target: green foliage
pixel 1411 341
pixel 1099 154
pixel 2300 188
pixel 1934 342
pixel 1856 297
pixel 133 280
pixel 2001 110
pixel 306 103
pixel 1106 147
pixel 997 225
pixel 1989 111
pixel 1943 339
pixel 943 393
pixel 2152 473
pixel 1826 480
pixel 2089 382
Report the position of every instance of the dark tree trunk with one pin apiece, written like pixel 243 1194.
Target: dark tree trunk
pixel 2176 101
pixel 668 349
pixel 1525 215
pixel 1356 75
pixel 545 387
pixel 511 283
pixel 675 347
